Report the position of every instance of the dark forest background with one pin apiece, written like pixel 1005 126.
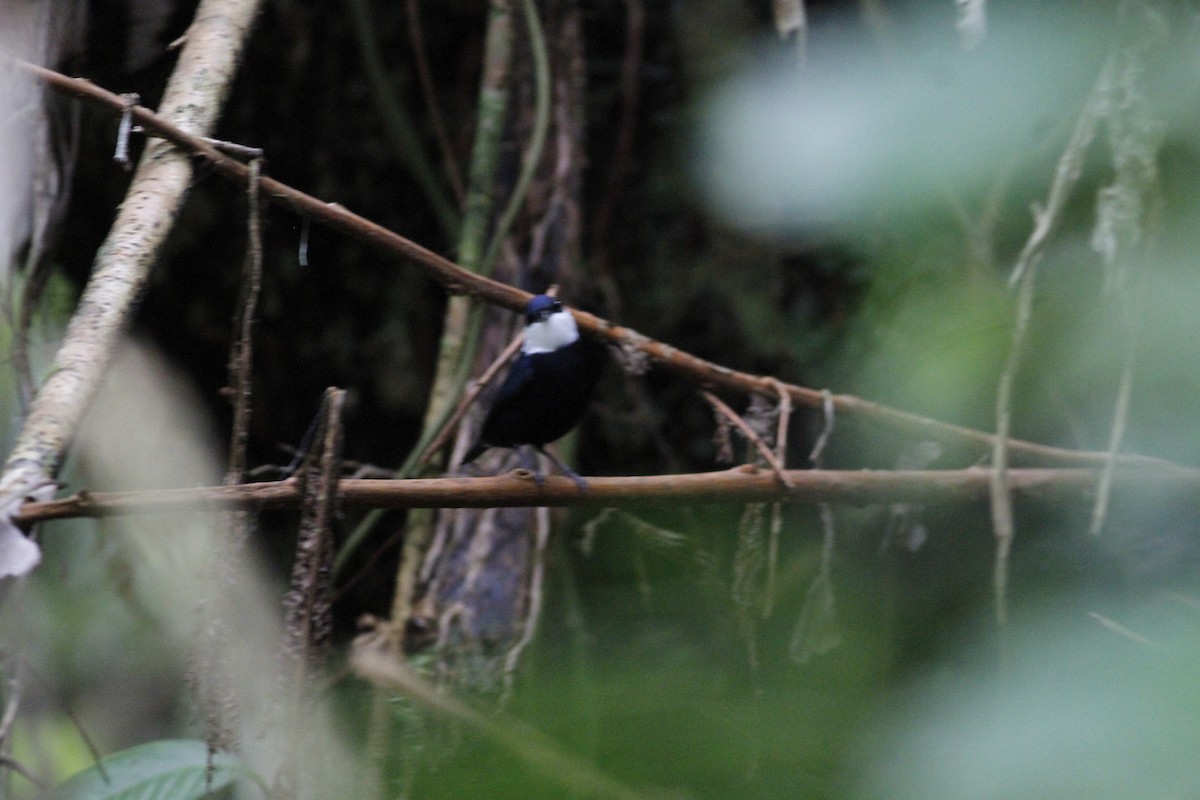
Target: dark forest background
pixel 876 666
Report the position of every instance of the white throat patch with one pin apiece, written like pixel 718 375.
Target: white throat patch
pixel 557 330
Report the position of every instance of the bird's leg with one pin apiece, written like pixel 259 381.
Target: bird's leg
pixel 580 481
pixel 527 457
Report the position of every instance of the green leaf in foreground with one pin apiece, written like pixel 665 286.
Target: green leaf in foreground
pixel 172 769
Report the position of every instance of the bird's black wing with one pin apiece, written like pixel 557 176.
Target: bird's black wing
pixel 516 382
pixel 505 406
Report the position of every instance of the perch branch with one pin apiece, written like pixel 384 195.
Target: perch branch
pixel 459 281
pixel 739 485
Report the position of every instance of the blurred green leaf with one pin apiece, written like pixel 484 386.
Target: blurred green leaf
pixel 171 769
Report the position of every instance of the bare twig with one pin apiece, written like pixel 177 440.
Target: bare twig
pixel 235 149
pixel 470 396
pixel 1066 174
pixel 1128 223
pixel 1001 501
pixel 241 356
pixel 817 630
pixel 1122 630
pixel 12 701
pixel 781 436
pixel 727 412
pixel 1116 436
pixel 1070 165
pixel 830 409
pixel 738 485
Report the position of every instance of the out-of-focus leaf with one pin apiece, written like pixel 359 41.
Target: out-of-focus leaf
pixel 1100 712
pixel 817 631
pixel 972 23
pixel 786 151
pixel 171 769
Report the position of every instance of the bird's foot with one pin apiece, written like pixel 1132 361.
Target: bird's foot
pixel 580 481
pixel 530 465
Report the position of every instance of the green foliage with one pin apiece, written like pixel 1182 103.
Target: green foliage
pixel 174 769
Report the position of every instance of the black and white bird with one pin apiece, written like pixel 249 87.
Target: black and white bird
pixel 547 389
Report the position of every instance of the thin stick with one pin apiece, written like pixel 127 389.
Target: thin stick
pixel 781 436
pixel 470 396
pixel 1070 165
pixel 1001 500
pixel 241 357
pixel 742 484
pixel 1116 436
pixel 235 149
pixel 1066 173
pixel 1118 628
pixel 829 407
pixel 750 435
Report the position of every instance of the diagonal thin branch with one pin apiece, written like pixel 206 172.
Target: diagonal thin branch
pixel 1070 165
pixel 470 396
pixel 750 435
pixel 1066 173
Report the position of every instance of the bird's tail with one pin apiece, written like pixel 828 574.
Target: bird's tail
pixel 473 453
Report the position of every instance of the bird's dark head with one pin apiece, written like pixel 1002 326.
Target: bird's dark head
pixel 548 326
pixel 540 307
